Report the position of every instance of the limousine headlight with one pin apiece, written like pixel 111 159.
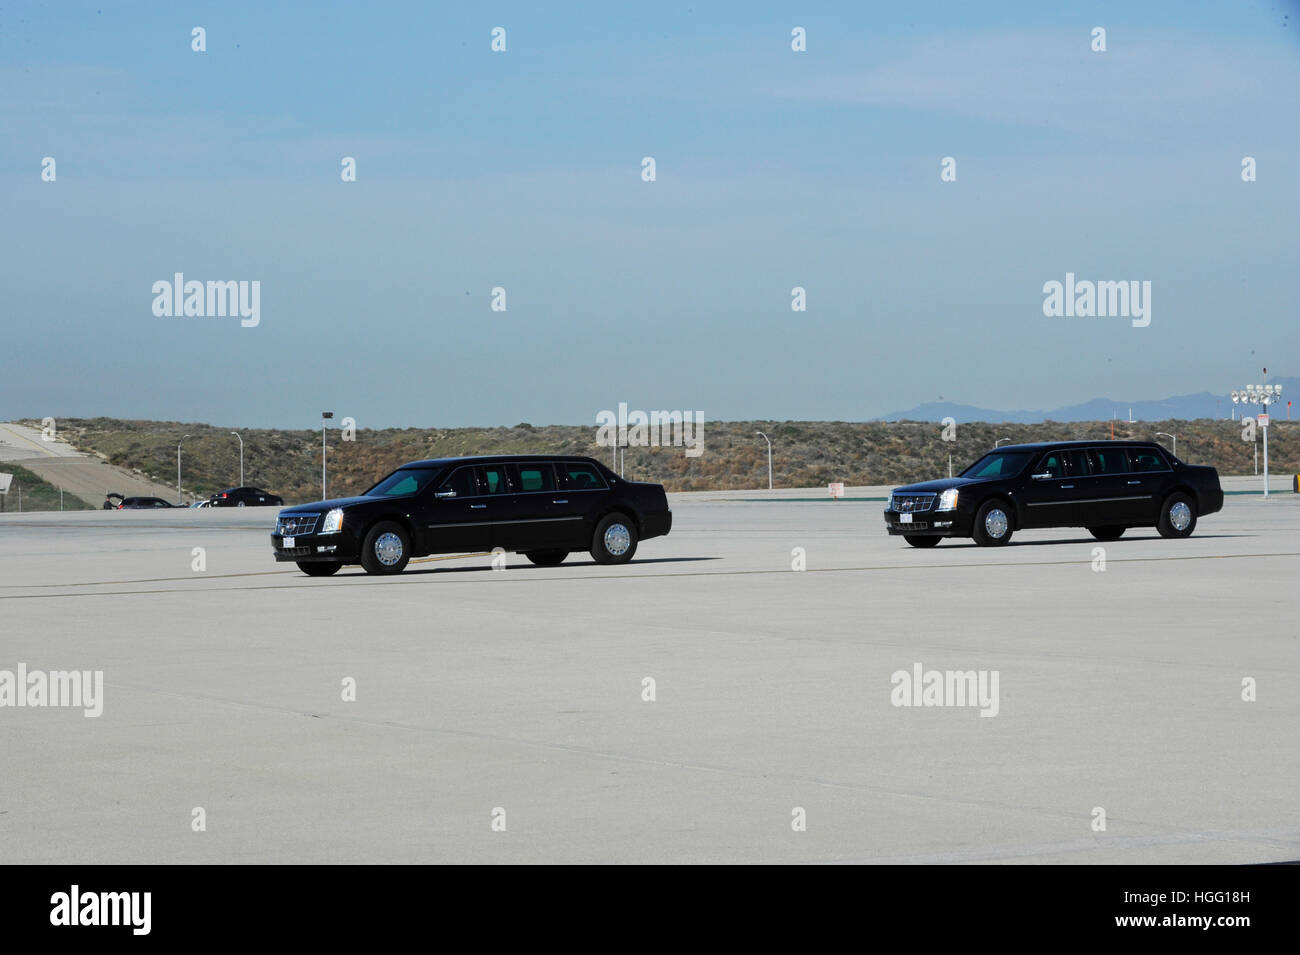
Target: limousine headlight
pixel 947 500
pixel 333 522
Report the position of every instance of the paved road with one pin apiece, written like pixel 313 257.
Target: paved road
pixel 85 476
pixel 522 690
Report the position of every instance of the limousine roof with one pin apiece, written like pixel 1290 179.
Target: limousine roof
pixel 496 458
pixel 1048 445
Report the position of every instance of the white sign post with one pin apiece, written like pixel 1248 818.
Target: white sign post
pixel 1263 425
pixel 5 480
pixel 837 490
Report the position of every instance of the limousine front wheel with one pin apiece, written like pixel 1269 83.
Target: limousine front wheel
pixel 318 568
pixel 614 541
pixel 993 524
pixel 921 540
pixel 1177 516
pixel 386 549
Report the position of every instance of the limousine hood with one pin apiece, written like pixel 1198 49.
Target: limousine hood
pixel 320 507
pixel 942 484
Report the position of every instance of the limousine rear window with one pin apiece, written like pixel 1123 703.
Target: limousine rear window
pixel 403 481
pixel 582 477
pixel 1003 464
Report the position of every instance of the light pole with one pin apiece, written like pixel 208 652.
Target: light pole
pixel 324 416
pixel 1166 434
pixel 1262 395
pixel 178 469
pixel 241 458
pixel 1236 396
pixel 998 443
pixel 769 457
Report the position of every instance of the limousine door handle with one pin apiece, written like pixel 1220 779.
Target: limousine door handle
pixel 1067 487
pixel 565 501
pixel 475 507
pixel 1134 482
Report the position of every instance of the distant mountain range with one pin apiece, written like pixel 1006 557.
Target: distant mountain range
pixel 1181 407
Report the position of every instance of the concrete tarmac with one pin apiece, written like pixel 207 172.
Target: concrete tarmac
pixel 522 690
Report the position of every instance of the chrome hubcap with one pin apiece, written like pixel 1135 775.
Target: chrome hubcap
pixel 388 548
pixel 995 523
pixel 617 539
pixel 1180 515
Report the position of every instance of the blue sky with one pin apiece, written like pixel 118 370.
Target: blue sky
pixel 522 170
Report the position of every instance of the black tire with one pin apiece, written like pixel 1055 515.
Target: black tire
pixel 1111 532
pixel 316 568
pixel 987 523
pixel 386 550
pixel 1178 509
pixel 623 543
pixel 546 558
pixel 922 540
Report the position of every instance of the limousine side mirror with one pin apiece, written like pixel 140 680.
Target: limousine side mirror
pixel 444 493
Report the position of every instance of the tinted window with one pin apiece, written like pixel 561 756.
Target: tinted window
pixel 581 477
pixel 1053 464
pixel 536 477
pixel 1109 460
pixel 1148 459
pixel 493 479
pixel 1005 464
pixel 403 481
pixel 461 483
pixel 1076 463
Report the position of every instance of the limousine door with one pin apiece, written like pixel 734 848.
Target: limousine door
pixel 1120 496
pixel 1054 495
pixel 456 515
pixel 532 520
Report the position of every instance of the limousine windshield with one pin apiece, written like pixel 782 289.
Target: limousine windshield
pixel 994 465
pixel 403 481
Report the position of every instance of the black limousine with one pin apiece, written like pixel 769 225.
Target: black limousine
pixel 545 506
pixel 1105 486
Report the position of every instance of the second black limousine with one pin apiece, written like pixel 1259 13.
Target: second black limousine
pixel 541 505
pixel 1105 486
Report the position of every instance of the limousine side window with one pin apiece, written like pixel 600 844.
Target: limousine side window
pixel 492 479
pixel 581 477
pixel 1051 464
pixel 1109 460
pixel 536 477
pixel 1148 459
pixel 460 482
pixel 1076 463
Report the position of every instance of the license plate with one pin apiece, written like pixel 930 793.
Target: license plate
pixel 904 518
pixel 288 541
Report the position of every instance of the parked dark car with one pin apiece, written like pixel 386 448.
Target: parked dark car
pixel 544 506
pixel 142 503
pixel 1105 486
pixel 113 500
pixel 245 497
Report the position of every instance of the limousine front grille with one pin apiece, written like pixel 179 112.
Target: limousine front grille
pixel 912 503
pixel 914 526
pixel 296 525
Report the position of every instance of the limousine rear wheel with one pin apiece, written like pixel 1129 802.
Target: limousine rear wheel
pixel 1111 533
pixel 614 541
pixel 921 540
pixel 1177 516
pixel 993 524
pixel 316 568
pixel 546 558
pixel 386 549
